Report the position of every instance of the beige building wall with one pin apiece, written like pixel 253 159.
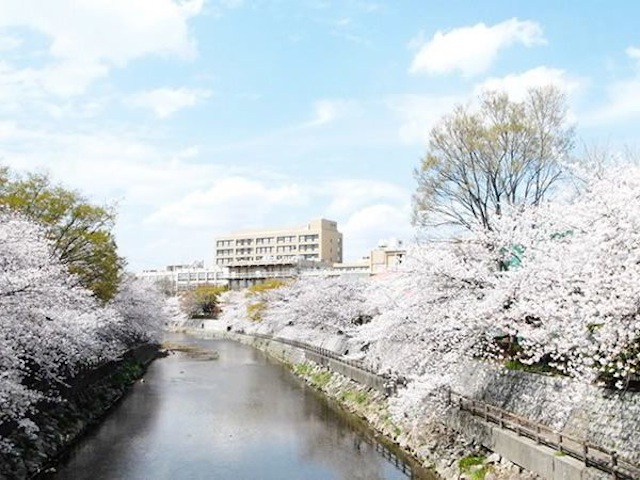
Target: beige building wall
pixel 386 258
pixel 319 240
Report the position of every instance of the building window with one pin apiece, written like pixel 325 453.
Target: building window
pixel 309 238
pixel 286 239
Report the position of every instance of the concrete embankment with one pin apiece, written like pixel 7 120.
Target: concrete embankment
pixel 550 401
pixel 62 421
pixel 363 394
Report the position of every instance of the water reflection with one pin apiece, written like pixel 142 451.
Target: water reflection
pixel 238 417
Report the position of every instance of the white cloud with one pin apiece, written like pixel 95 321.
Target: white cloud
pixel 89 38
pixel 371 209
pixel 633 52
pixel 231 3
pixel 472 50
pixel 349 195
pixel 623 98
pixel 164 102
pixel 108 165
pixel 517 84
pixel 623 103
pixel 328 111
pixel 418 114
pixel 223 202
pixel 367 226
pixel 9 42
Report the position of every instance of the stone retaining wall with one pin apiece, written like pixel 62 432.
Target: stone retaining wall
pixel 607 419
pixel 83 404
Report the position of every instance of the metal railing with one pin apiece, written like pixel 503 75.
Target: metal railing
pixel 391 383
pixel 603 459
pixel 320 351
pixel 595 456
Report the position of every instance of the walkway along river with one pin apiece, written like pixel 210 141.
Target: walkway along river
pixel 242 416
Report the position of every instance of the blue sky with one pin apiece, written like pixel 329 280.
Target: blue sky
pixel 202 117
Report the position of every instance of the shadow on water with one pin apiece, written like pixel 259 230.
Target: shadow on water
pixel 242 416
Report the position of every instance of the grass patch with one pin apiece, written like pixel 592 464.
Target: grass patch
pixel 321 378
pixel 466 463
pixel 355 396
pixel 255 311
pixel 473 465
pixel 303 369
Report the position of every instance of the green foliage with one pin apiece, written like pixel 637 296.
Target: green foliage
pixel 270 284
pixel 539 367
pixel 321 378
pixel 128 373
pixel 388 422
pixel 202 301
pixel 593 327
pixel 80 232
pixel 505 153
pixel 468 463
pixel 255 311
pixel 355 396
pixel 303 369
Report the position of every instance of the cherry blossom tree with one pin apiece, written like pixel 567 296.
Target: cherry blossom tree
pixel 51 328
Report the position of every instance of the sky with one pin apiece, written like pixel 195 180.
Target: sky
pixel 196 118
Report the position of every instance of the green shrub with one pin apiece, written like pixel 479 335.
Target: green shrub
pixel 321 378
pixel 270 284
pixel 466 465
pixel 303 369
pixel 255 311
pixel 355 396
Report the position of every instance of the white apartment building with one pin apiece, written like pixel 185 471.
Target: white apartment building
pixel 317 241
pixel 179 278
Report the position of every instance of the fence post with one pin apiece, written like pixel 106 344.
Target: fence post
pixel 614 464
pixel 537 433
pixel 501 417
pixel 585 452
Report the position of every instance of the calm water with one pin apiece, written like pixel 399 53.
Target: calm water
pixel 239 417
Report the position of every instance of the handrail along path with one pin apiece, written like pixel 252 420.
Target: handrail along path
pixel 595 456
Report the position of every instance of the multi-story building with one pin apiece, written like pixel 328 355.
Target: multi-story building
pixel 252 256
pixel 179 278
pixel 318 241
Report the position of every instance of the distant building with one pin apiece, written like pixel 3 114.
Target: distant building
pixel 387 256
pixel 253 256
pixel 179 278
pixel 318 241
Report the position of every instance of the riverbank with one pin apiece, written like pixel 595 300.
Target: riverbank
pixel 241 416
pixel 440 358
pixel 61 422
pixel 433 445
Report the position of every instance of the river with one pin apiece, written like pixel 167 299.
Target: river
pixel 242 416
